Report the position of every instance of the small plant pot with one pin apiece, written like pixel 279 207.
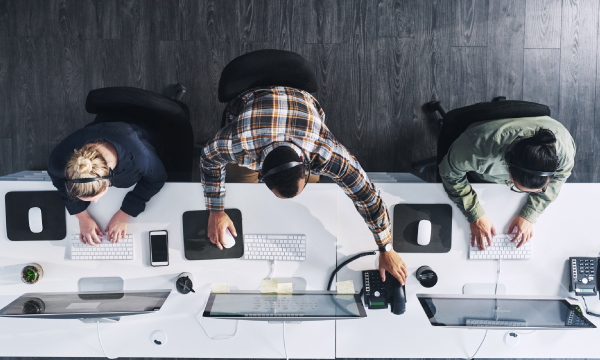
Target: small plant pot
pixel 32 273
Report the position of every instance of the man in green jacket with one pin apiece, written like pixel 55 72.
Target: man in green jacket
pixel 516 152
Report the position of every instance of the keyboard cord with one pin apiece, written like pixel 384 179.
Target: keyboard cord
pixel 284 347
pixel 225 337
pixel 100 340
pixel 495 293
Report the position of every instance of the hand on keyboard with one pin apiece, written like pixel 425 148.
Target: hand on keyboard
pixel 524 230
pixel 117 227
pixel 482 231
pixel 89 231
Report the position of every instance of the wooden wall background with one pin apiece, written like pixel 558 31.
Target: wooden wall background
pixel 377 62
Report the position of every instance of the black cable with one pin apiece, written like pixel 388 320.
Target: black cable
pixel 357 256
pixel 586 309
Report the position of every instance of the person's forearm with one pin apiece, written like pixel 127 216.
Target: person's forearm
pixel 82 215
pixel 465 198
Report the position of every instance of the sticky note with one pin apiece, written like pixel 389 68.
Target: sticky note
pixel 345 297
pixel 268 286
pixel 285 288
pixel 345 287
pixel 222 288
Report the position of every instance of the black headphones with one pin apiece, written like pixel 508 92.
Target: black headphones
pixel 109 177
pixel 289 165
pixel 529 171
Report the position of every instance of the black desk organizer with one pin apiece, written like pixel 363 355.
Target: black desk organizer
pixel 17 205
pixel 406 225
pixel 196 244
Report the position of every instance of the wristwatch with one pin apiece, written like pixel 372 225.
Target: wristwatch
pixel 386 248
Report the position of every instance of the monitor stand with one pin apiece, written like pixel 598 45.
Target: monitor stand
pixel 101 284
pixel 484 289
pixel 298 284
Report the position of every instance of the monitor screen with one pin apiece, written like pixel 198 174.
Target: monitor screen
pixel 318 305
pixel 497 311
pixel 85 304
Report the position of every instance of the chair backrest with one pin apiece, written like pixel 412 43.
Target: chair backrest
pixel 266 68
pixel 458 120
pixel 123 98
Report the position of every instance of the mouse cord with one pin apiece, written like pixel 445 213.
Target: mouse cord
pixel 586 309
pixel 284 347
pixel 220 337
pixel 100 340
pixel 495 293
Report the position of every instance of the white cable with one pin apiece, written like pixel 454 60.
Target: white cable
pixel 221 337
pixel 284 347
pixel 495 293
pixel 100 340
pixel 272 271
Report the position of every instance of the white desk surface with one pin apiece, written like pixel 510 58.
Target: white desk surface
pixel 313 213
pixel 567 228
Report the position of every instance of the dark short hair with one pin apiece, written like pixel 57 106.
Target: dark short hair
pixel 286 181
pixel 534 153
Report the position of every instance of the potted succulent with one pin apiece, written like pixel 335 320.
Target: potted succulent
pixel 32 273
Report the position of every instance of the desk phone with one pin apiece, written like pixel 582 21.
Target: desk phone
pixel 583 276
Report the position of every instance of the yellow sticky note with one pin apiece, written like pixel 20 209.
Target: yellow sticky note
pixel 268 286
pixel 222 288
pixel 345 287
pixel 285 288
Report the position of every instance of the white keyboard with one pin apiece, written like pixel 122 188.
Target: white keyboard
pixel 501 248
pixel 123 250
pixel 291 247
pixel 492 323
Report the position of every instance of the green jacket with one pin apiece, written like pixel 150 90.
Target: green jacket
pixel 481 150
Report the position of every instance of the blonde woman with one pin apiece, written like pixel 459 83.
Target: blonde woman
pixel 128 144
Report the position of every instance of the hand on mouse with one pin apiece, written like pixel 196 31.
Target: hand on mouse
pixel 482 230
pixel 218 221
pixel 89 231
pixel 117 227
pixel 393 263
pixel 524 230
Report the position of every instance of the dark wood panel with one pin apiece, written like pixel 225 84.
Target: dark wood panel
pixel 288 24
pixel 505 49
pixel 33 18
pixel 6 156
pixel 325 21
pixel 541 81
pixel 471 22
pixel 542 23
pixel 468 76
pixel 29 103
pixel 5 103
pixel 193 19
pixel 3 18
pixel 578 81
pixel 396 18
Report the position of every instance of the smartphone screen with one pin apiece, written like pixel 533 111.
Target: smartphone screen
pixel 159 248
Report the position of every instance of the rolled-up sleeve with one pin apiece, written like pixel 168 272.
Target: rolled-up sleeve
pixel 215 155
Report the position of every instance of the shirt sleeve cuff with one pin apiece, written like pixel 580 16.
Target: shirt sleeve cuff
pixel 529 214
pixel 383 237
pixel 215 204
pixel 475 214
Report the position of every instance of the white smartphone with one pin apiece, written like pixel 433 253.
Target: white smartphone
pixel 159 248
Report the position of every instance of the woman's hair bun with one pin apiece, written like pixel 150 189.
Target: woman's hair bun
pixel 84 165
pixel 544 137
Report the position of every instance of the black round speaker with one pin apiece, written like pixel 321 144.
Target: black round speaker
pixel 426 276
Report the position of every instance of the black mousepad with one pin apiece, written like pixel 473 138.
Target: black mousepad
pixel 406 225
pixel 196 244
pixel 17 205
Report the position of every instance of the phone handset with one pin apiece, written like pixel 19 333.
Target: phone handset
pixel 378 294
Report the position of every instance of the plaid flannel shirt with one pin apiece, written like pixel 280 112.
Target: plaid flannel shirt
pixel 262 119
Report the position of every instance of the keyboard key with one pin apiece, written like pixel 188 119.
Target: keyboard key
pixel 123 250
pixel 275 247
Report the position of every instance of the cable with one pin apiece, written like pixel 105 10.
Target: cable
pixel 495 293
pixel 357 256
pixel 272 271
pixel 100 340
pixel 225 337
pixel 586 309
pixel 284 347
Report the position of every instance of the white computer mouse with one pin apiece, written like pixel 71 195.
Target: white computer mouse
pixel 35 220
pixel 424 233
pixel 229 239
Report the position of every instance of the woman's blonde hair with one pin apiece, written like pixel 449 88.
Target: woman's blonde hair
pixel 87 162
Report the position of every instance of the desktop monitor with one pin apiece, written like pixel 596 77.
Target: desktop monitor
pixel 503 312
pixel 85 305
pixel 299 306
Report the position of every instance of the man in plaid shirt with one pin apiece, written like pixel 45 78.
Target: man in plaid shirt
pixel 263 119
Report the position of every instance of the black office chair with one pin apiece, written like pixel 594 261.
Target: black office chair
pixel 455 122
pixel 265 68
pixel 166 123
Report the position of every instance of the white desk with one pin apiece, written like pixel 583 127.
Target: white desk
pixel 313 213
pixel 567 228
